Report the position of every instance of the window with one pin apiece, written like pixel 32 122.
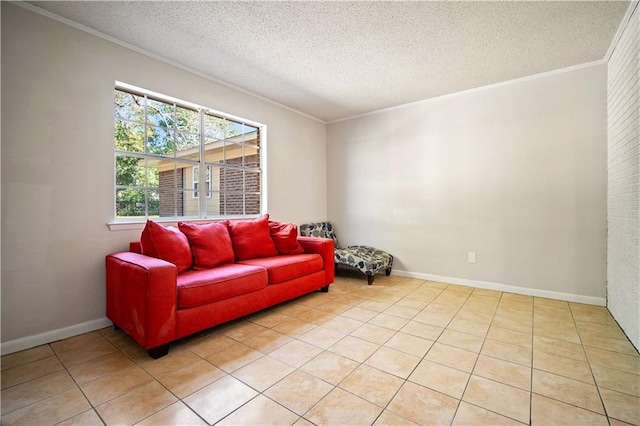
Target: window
pixel 165 147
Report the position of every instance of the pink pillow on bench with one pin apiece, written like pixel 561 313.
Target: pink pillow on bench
pixel 167 244
pixel 210 243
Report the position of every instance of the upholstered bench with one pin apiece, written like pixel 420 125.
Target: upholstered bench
pixel 368 260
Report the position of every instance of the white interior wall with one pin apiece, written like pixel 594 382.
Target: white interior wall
pixel 515 173
pixel 57 167
pixel 623 249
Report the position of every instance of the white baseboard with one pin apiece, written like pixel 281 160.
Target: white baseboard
pixel 28 342
pixel 589 300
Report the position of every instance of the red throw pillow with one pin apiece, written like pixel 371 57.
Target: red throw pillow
pixel 210 243
pixel 167 244
pixel 285 237
pixel 251 238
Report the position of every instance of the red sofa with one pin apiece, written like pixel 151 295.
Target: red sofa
pixel 157 293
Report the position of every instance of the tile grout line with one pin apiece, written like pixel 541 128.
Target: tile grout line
pixel 385 408
pixel 137 364
pixel 455 413
pixel 476 362
pixel 75 382
pixel 595 382
pixel 533 330
pixel 571 378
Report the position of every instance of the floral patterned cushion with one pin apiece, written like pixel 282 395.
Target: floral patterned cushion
pixel 321 230
pixel 368 260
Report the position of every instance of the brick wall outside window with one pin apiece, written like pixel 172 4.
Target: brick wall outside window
pixel 168 201
pixel 232 181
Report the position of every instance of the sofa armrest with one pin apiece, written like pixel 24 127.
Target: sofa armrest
pixel 142 297
pixel 323 247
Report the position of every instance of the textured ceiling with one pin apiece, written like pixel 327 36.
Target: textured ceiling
pixel 336 59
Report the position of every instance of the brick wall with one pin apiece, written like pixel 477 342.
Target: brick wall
pixel 168 200
pixel 232 182
pixel 623 195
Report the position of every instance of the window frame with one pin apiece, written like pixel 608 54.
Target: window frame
pixel 116 223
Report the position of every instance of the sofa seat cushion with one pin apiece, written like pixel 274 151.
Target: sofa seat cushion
pixel 288 267
pixel 196 288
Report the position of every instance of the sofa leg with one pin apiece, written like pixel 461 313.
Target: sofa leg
pixel 325 289
pixel 159 351
pixel 388 271
pixel 370 279
pixel 115 327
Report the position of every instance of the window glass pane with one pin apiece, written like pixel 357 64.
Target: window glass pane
pixel 160 113
pixel 233 154
pixel 233 130
pixel 252 138
pixel 171 175
pixel 234 203
pixel 160 141
pixel 252 192
pixel 214 151
pixel 171 202
pixel 184 175
pixel 214 179
pixel 153 202
pixel 129 106
pixel 193 189
pixel 232 180
pixel 130 203
pixel 251 157
pixel 187 121
pixel 251 181
pixel 153 172
pixel 249 129
pixel 128 136
pixel 192 200
pixel 213 192
pixel 130 171
pixel 213 127
pixel 186 141
pixel 252 203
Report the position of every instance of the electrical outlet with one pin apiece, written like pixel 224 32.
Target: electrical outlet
pixel 471 257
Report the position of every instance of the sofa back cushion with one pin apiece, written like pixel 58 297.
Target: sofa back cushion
pixel 166 243
pixel 285 237
pixel 210 243
pixel 252 238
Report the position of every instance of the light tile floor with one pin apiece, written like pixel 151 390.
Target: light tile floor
pixel 402 351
